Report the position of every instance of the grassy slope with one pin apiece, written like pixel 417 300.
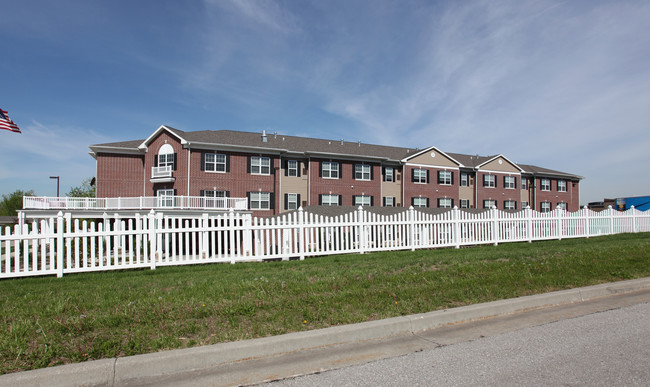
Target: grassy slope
pixel 48 321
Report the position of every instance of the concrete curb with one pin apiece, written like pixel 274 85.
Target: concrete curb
pixel 110 372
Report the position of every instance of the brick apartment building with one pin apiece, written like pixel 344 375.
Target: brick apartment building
pixel 277 173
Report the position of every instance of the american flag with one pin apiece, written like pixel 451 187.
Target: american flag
pixel 7 123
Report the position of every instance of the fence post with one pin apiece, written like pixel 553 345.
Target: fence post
pixel 529 223
pixel 586 210
pixel 456 215
pixel 152 238
pixel 301 233
pixel 362 230
pixel 59 244
pixel 248 235
pixel 610 212
pixel 411 226
pixel 160 236
pixel 633 211
pixel 231 234
pixel 560 213
pixel 204 235
pixel 495 225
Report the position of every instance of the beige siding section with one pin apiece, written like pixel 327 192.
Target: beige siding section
pixel 291 184
pixel 433 158
pixel 500 164
pixel 467 193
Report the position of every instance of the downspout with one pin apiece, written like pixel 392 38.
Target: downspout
pixel 309 181
pixel 381 185
pixel 475 188
pixel 189 162
pixel 403 184
pixel 279 196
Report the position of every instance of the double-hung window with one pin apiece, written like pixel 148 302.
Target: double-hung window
pixel 215 162
pixel 420 176
pixel 389 174
pixel 329 200
pixel 330 170
pixel 445 202
pixel 260 200
pixel 362 200
pixel 524 184
pixel 292 168
pixel 389 201
pixel 260 165
pixel 510 205
pixel 546 184
pixel 561 186
pixel 215 199
pixel 444 177
pixel 524 204
pixel 509 182
pixel 292 201
pixel 464 179
pixel 489 203
pixel 489 181
pixel 362 172
pixel 165 197
pixel 464 203
pixel 420 202
pixel 562 205
pixel 545 207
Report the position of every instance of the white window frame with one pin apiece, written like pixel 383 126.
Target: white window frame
pixel 362 200
pixel 165 197
pixel 330 169
pixel 563 205
pixel 329 200
pixel 292 201
pixel 389 201
pixel 260 201
pixel 464 179
pixel 446 204
pixel 489 181
pixel 217 164
pixel 260 165
pixel 489 203
pixel 389 174
pixel 213 198
pixel 464 203
pixel 444 177
pixel 509 182
pixel 524 205
pixel 510 205
pixel 420 176
pixel 362 172
pixel 545 207
pixel 292 168
pixel 420 202
pixel 545 184
pixel 524 184
pixel 561 186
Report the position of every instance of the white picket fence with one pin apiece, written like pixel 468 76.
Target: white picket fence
pixel 62 245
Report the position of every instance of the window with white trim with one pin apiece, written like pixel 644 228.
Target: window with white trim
pixel 545 207
pixel 362 172
pixel 292 168
pixel 214 162
pixel 362 200
pixel 329 200
pixel 524 184
pixel 330 170
pixel 215 198
pixel 562 206
pixel 445 202
pixel 260 200
pixel 166 156
pixel 561 186
pixel 524 204
pixel 260 165
pixel 489 181
pixel 464 179
pixel 489 203
pixel 389 201
pixel 419 176
pixel 509 182
pixel 419 202
pixel 545 184
pixel 464 203
pixel 389 174
pixel 509 205
pixel 292 201
pixel 165 197
pixel 444 177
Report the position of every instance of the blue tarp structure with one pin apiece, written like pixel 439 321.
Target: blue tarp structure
pixel 641 203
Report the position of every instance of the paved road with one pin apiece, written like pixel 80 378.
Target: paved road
pixel 609 348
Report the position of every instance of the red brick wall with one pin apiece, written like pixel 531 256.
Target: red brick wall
pixel 180 184
pixel 432 189
pixel 499 193
pixel 119 175
pixel 571 196
pixel 345 185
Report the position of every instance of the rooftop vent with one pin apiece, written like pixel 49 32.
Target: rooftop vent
pixel 341 141
pixel 264 138
pixel 359 142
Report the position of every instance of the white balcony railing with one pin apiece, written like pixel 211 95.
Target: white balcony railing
pixel 134 203
pixel 161 172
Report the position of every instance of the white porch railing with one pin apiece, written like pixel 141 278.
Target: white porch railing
pixel 160 172
pixel 134 203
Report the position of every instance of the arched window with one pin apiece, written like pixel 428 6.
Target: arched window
pixel 166 156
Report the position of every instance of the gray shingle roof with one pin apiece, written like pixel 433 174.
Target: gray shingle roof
pixel 317 146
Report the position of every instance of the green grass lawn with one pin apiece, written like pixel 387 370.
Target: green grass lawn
pixel 48 321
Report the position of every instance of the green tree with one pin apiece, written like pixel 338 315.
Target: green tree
pixel 11 203
pixel 85 190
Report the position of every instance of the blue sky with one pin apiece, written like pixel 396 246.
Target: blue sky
pixel 559 84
